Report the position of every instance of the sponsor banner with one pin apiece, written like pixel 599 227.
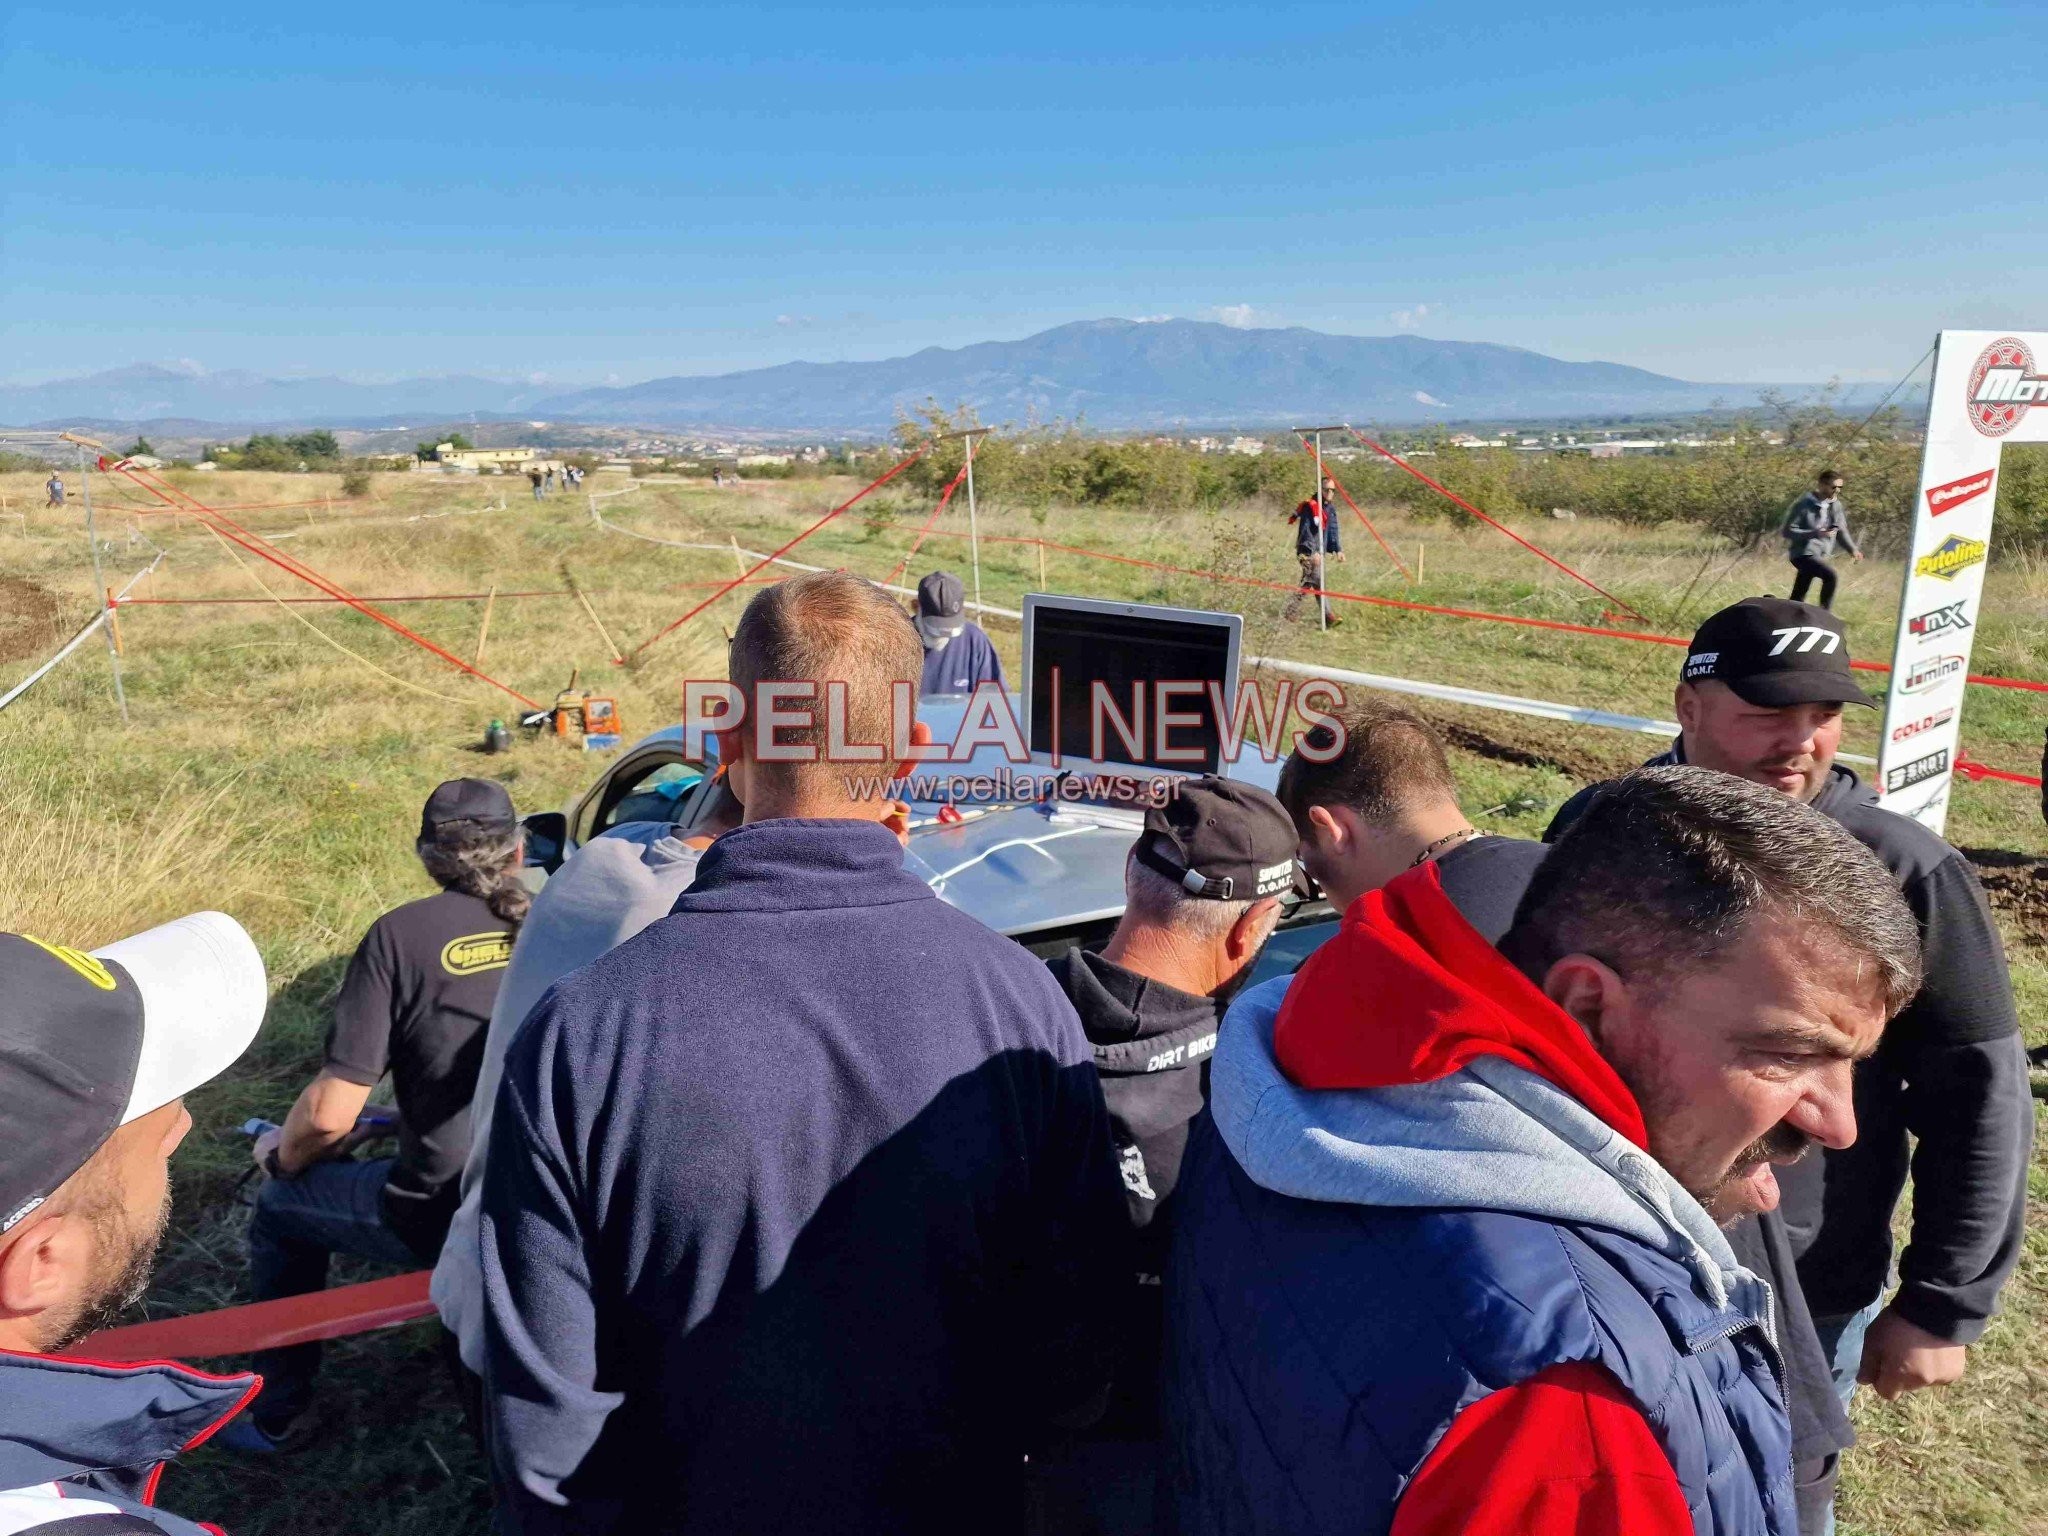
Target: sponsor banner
pixel 1989 388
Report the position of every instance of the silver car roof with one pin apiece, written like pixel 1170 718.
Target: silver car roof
pixel 1021 869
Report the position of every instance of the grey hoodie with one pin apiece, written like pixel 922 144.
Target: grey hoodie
pixel 1492 1137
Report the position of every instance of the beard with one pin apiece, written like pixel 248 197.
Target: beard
pixel 123 1257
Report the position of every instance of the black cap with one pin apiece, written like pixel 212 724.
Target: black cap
pixel 941 605
pixel 1773 652
pixel 1221 839
pixel 484 801
pixel 89 1042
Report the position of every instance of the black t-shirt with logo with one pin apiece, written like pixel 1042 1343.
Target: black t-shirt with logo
pixel 416 1003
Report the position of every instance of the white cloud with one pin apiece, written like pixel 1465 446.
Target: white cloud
pixel 1423 397
pixel 796 319
pixel 1149 319
pixel 1411 318
pixel 1240 316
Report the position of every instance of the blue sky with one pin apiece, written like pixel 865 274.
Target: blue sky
pixel 598 192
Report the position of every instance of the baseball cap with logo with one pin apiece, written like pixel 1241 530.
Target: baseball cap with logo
pixel 484 801
pixel 941 606
pixel 1773 652
pixel 1221 840
pixel 89 1042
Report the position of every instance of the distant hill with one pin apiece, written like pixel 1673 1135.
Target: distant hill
pixel 149 392
pixel 1134 374
pixel 1113 374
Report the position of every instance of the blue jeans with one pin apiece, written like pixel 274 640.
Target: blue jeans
pixel 1841 1340
pixel 299 1224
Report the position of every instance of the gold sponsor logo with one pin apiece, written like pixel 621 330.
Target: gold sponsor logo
pixel 79 961
pixel 1951 558
pixel 476 952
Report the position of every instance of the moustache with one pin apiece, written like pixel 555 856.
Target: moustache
pixel 1782 1143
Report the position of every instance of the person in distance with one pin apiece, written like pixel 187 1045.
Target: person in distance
pixel 415 1004
pixel 97 1053
pixel 1813 526
pixel 1202 889
pixel 1317 535
pixel 1449 1254
pixel 958 653
pixel 800 1210
pixel 1951 1074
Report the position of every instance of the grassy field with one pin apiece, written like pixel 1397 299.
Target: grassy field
pixel 274 774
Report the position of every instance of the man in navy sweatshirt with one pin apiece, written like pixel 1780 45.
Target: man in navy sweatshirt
pixel 800 1205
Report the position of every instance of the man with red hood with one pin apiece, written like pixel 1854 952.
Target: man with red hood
pixel 1450 1254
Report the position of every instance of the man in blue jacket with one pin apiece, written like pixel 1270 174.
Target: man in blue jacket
pixel 1317 534
pixel 1449 1257
pixel 800 1208
pixel 97 1052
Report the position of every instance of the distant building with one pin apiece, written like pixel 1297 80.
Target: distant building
pixel 495 461
pixel 1252 447
pixel 747 460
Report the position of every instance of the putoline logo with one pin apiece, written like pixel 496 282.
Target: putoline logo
pixel 2002 385
pixel 1950 558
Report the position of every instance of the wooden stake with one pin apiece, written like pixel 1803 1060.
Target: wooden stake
pixel 483 630
pixel 114 622
pixel 591 613
pixel 738 562
pixel 1041 566
pixel 1421 556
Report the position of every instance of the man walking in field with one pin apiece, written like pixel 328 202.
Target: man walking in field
pixel 56 489
pixel 1315 535
pixel 1812 528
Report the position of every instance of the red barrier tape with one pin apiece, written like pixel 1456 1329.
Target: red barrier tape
pixel 768 560
pixel 1969 768
pixel 257 545
pixel 925 532
pixel 1354 506
pixel 1447 493
pixel 425 597
pixel 1639 636
pixel 323 1315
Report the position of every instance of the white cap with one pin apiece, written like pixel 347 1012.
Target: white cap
pixel 203 995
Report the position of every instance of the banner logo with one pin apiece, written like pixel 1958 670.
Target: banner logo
pixel 1942 498
pixel 1939 621
pixel 1953 556
pixel 1931 673
pixel 1924 724
pixel 2002 385
pixel 1918 771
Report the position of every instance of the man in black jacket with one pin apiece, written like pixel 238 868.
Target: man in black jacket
pixel 1202 889
pixel 1317 533
pixel 1951 1071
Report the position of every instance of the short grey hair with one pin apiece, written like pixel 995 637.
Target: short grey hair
pixel 1160 901
pixel 1668 869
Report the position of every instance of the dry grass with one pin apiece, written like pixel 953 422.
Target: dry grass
pixel 270 775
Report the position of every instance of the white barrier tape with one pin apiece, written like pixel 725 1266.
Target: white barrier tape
pixel 76 640
pixel 1514 704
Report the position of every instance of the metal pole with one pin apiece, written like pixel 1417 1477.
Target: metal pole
pixel 99 583
pixel 973 528
pixel 1322 556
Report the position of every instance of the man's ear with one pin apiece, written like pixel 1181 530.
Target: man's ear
pixel 1685 703
pixel 1251 930
pixel 1331 833
pixel 39 1270
pixel 920 736
pixel 1591 991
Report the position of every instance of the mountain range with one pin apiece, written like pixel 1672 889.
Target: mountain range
pixel 1111 374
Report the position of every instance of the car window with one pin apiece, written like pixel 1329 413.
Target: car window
pixel 657 789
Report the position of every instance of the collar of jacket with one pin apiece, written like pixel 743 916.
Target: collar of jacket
pixel 1134 1024
pixel 68 1416
pixel 802 864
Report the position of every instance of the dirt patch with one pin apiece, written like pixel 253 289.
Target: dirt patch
pixel 30 619
pixel 1540 743
pixel 2017 884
